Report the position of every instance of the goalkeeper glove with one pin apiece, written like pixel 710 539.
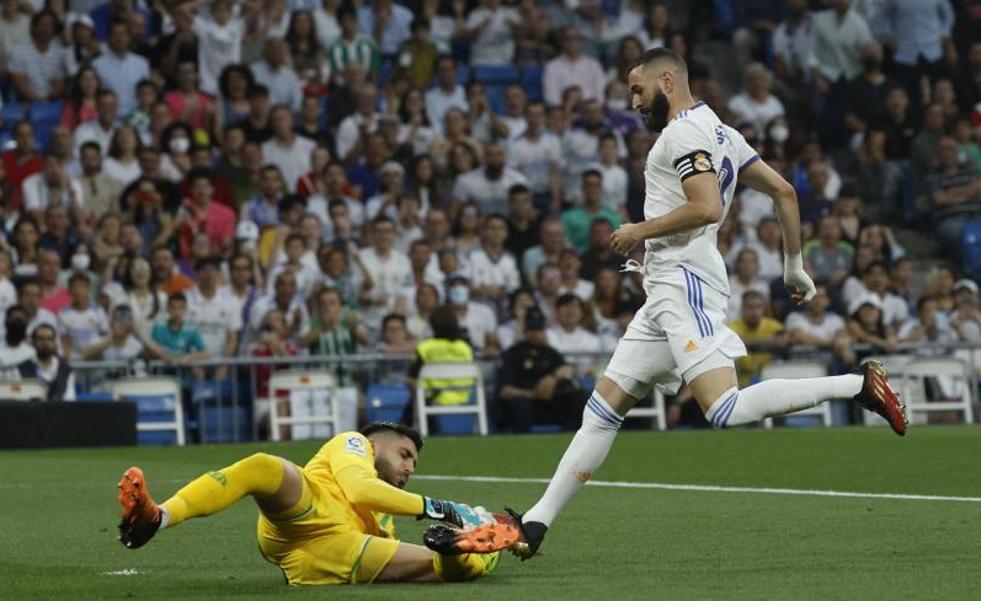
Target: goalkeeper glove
pixel 459 515
pixel 795 278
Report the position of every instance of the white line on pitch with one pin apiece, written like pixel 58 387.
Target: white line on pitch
pixel 711 488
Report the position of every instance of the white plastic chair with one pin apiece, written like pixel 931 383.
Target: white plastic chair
pixel 310 382
pixel 23 390
pixel 793 370
pixel 451 371
pixel 913 388
pixel 154 386
pixel 657 413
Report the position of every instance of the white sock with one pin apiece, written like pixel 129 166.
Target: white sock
pixel 164 517
pixel 586 452
pixel 778 397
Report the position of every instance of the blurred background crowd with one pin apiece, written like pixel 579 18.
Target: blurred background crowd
pixel 185 180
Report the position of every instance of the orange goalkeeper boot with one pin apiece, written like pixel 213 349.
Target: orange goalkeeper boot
pixel 141 515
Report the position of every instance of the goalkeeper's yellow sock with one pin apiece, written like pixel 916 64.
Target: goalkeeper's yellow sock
pixel 259 474
pixel 457 568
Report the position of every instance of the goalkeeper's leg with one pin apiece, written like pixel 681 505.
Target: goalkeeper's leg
pixel 275 483
pixel 414 563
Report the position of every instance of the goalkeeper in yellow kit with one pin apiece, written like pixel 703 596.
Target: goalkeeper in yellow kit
pixel 329 522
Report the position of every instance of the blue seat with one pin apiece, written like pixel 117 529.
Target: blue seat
pixel 150 409
pixel 495 99
pixel 93 397
pixel 12 113
pixel 46 112
pixel 387 402
pixel 531 80
pixel 384 73
pixel 971 247
pixel 455 424
pixel 224 424
pixel 494 75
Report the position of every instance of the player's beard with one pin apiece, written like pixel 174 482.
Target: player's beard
pixel 388 472
pixel 656 113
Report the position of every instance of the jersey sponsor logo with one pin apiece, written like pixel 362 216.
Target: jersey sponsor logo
pixel 355 445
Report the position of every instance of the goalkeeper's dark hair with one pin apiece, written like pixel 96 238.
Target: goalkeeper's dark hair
pixel 400 429
pixel 660 55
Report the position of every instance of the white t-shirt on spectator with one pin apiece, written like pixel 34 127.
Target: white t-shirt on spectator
pixel 771 262
pixel 214 318
pixel 125 174
pixel 307 277
pixel 10 358
pixel 535 158
pixel 284 86
pixel 8 296
pixel 349 131
pixel 218 47
pixel 479 322
pixel 91 131
pixel 486 272
pixel 580 340
pixel 614 186
pixel 131 349
pixel 84 327
pixel 121 74
pixel 38 69
pixel 895 309
pixel 390 275
pixel 327 28
pixel 438 101
pixel 759 114
pixel 493 43
pixel 829 327
pixel 736 291
pixel 491 196
pixel 584 289
pixel 267 303
pixel 38 196
pixel 293 161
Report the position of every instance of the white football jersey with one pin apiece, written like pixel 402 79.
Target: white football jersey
pixel 694 142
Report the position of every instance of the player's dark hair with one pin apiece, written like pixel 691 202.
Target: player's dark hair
pixel 177 297
pixel 80 278
pixel 400 429
pixel 518 189
pixel 209 261
pixel 653 55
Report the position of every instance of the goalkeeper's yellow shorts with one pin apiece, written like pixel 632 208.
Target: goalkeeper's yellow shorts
pixel 314 548
pixel 346 557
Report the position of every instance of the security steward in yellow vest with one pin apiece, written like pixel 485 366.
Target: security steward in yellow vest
pixel 447 345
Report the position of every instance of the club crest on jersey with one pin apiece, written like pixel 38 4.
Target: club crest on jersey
pixel 355 445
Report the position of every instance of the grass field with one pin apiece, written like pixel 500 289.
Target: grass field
pixel 58 521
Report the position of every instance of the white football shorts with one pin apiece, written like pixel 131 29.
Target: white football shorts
pixel 679 334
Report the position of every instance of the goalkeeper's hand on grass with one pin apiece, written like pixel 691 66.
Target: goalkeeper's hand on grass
pixel 459 515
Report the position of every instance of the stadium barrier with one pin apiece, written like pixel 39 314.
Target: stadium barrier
pixel 235 408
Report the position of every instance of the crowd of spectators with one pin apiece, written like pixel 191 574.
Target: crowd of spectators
pixel 194 179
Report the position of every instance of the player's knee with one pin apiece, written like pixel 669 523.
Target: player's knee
pixel 265 461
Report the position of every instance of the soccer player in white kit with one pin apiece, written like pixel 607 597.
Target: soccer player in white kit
pixel 680 334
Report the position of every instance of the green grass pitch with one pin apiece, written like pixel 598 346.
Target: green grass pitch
pixel 58 521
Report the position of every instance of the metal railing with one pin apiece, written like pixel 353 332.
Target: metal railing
pixel 232 401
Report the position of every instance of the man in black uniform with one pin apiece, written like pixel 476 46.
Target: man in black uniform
pixel 537 386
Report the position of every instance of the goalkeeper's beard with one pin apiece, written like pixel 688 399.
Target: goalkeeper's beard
pixel 389 473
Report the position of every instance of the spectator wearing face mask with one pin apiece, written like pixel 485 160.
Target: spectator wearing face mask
pixel 477 320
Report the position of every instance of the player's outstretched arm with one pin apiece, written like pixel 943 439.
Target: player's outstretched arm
pixel 703 207
pixel 363 489
pixel 762 178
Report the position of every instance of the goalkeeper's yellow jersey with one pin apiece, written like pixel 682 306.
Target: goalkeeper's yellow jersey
pixel 346 488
